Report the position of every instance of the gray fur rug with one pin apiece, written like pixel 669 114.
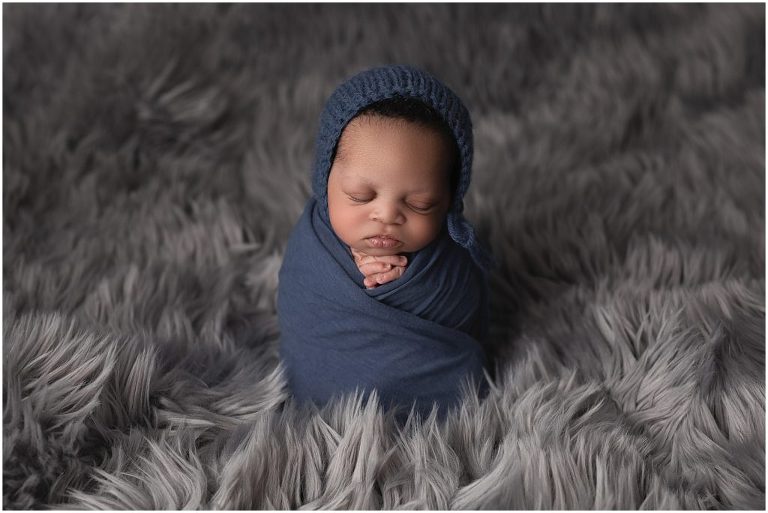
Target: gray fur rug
pixel 157 156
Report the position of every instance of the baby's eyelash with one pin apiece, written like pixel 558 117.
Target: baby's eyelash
pixel 421 210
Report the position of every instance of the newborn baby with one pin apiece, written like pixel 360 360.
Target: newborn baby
pixel 384 285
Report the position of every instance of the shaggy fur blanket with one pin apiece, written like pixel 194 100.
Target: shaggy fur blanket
pixel 156 157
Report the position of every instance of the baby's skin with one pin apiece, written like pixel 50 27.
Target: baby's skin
pixel 379 270
pixel 388 193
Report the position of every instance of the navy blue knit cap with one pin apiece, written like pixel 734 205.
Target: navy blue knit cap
pixel 384 82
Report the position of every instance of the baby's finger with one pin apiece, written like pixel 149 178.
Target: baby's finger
pixel 374 267
pixel 388 276
pixel 386 259
pixel 357 255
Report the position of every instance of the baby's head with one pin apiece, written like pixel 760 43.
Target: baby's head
pixel 395 163
pixel 394 173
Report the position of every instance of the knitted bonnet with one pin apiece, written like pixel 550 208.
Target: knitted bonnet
pixel 384 82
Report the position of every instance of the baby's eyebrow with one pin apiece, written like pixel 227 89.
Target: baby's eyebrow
pixel 362 179
pixel 369 183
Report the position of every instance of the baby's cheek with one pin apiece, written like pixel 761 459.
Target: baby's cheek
pixel 423 232
pixel 349 235
pixel 344 224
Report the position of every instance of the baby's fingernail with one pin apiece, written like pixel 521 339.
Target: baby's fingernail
pixel 379 279
pixel 387 267
pixel 404 260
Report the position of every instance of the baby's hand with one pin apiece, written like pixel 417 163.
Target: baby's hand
pixel 379 270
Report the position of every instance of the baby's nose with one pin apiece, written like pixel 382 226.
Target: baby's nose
pixel 386 213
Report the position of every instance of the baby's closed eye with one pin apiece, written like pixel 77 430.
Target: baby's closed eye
pixel 421 207
pixel 415 206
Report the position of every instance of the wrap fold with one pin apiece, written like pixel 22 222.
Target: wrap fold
pixel 415 339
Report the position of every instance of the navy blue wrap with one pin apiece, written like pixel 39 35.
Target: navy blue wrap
pixel 414 339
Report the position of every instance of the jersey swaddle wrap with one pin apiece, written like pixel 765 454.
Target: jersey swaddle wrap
pixel 415 340
pixel 411 338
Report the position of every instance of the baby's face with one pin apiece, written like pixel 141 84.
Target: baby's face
pixel 390 177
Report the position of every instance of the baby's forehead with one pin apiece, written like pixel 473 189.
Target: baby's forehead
pixel 371 179
pixel 380 151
